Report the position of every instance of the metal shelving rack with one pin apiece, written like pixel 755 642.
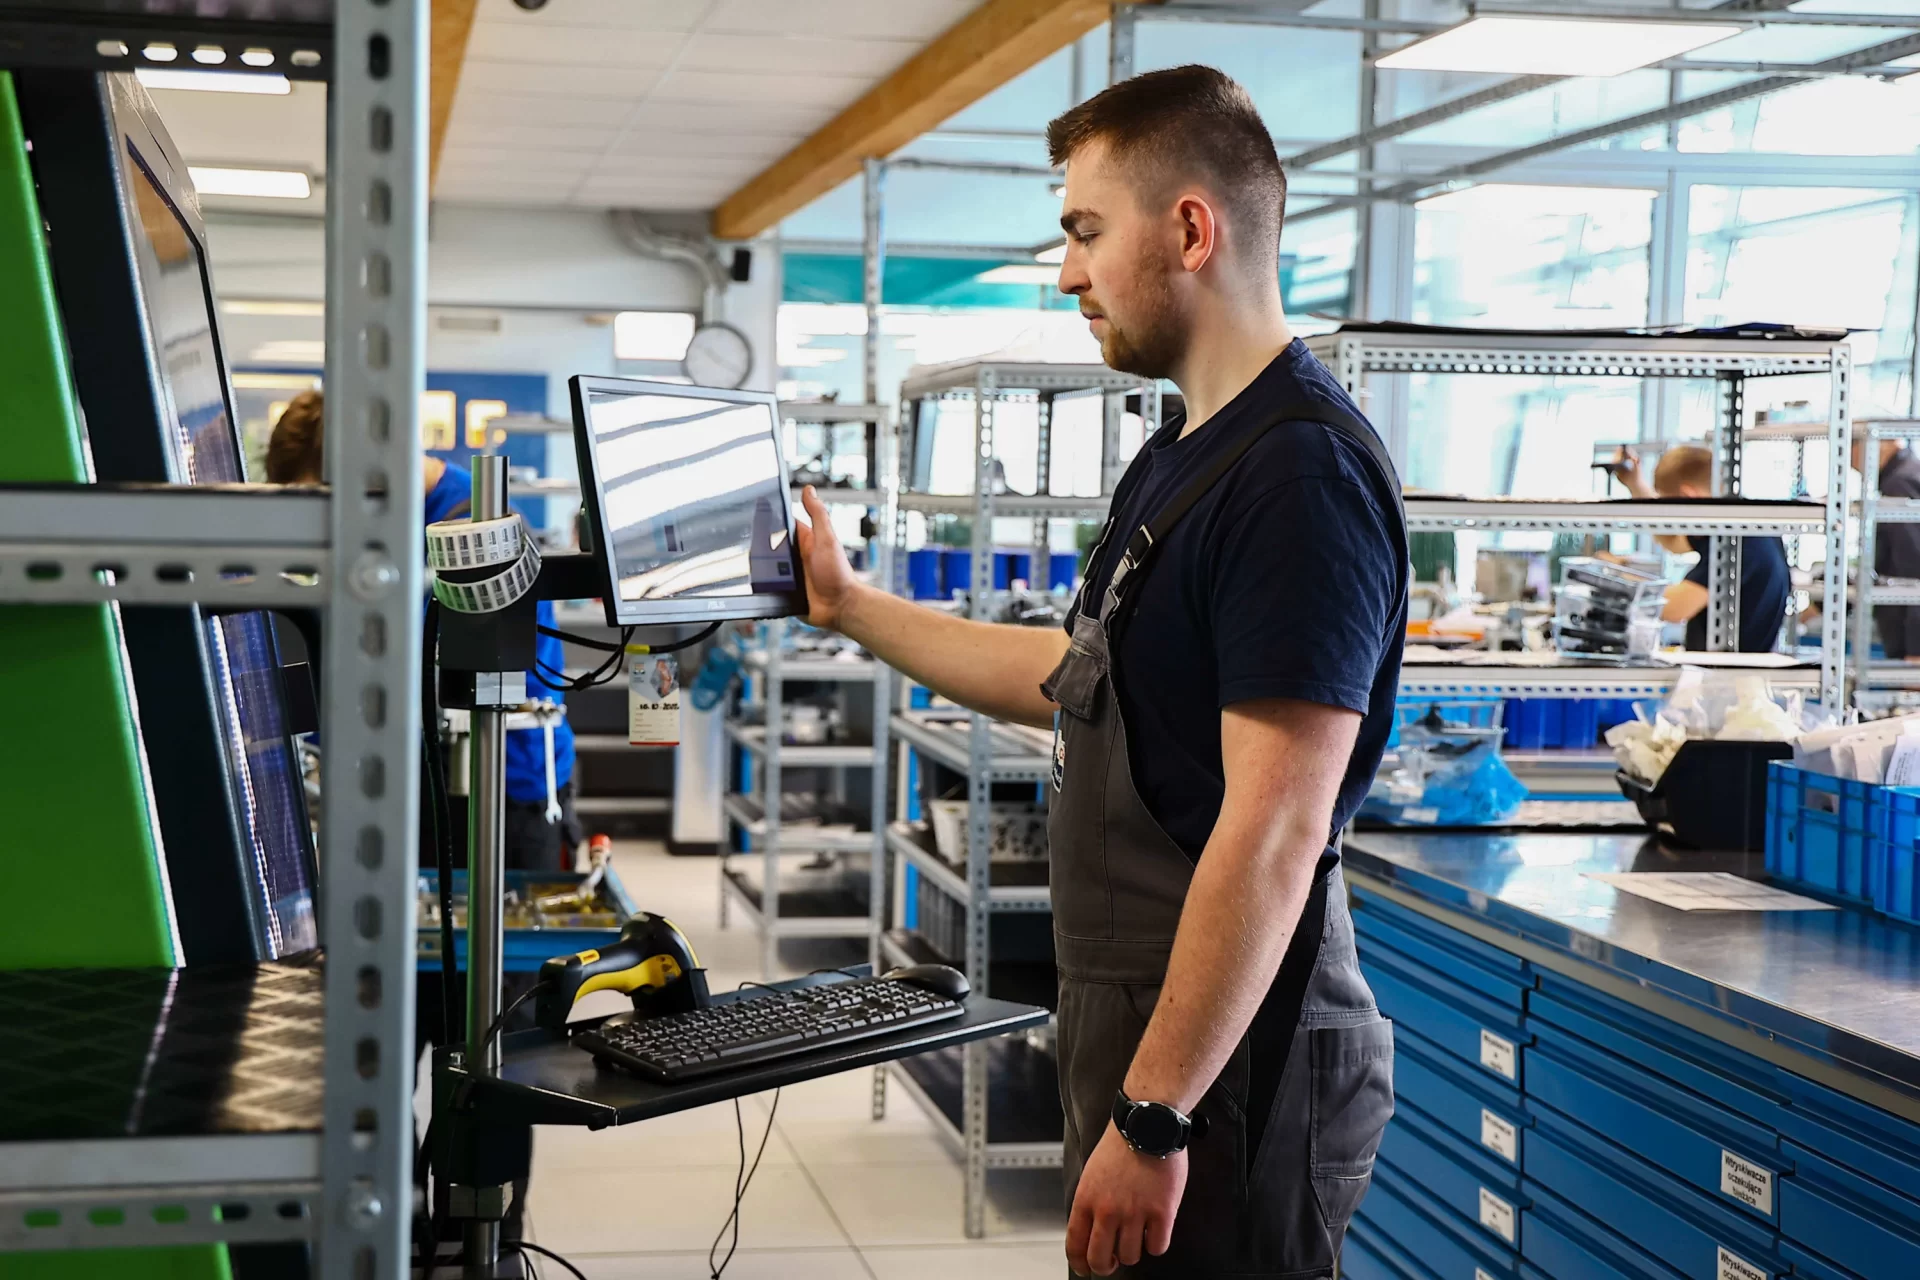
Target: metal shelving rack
pixel 756 811
pixel 984 751
pixel 1893 685
pixel 1356 352
pixel 347 1188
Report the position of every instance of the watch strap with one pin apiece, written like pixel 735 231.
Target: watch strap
pixel 1192 1127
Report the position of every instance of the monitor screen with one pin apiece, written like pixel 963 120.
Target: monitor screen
pixel 204 449
pixel 688 501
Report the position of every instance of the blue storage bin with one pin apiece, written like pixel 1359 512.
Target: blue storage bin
pixel 1065 567
pixel 1820 831
pixel 1674 1129
pixel 1675 1222
pixel 1864 1227
pixel 923 574
pixel 1896 873
pixel 1009 565
pixel 1368 1255
pixel 1811 1265
pixel 956 572
pixel 1482 1192
pixel 1467 1102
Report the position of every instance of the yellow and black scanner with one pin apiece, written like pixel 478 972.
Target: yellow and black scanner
pixel 652 962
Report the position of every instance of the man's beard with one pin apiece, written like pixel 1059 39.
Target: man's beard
pixel 1154 342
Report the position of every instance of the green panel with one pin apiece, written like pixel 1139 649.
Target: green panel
pixel 913 281
pixel 184 1262
pixel 78 861
pixel 71 780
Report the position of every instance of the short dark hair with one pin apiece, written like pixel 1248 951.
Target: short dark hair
pixel 294 448
pixel 1185 123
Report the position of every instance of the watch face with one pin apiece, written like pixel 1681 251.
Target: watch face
pixel 1155 1129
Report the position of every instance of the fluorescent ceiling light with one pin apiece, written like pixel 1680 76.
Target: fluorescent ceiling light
pixel 1016 273
pixel 1546 46
pixel 1053 254
pixel 291 351
pixel 1497 200
pixel 268 307
pixel 214 81
pixel 278 184
pixel 652 335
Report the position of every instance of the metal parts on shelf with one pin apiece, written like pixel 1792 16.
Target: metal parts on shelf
pixel 1875 511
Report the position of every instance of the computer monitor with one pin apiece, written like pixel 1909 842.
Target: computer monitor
pixel 128 250
pixel 688 501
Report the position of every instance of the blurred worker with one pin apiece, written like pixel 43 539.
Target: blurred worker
pixel 541 828
pixel 1896 546
pixel 1219 702
pixel 1686 471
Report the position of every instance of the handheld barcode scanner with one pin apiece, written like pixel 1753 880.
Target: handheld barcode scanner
pixel 651 962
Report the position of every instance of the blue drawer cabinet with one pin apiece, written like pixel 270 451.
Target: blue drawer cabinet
pixel 1496 974
pixel 1371 1255
pixel 1870 1229
pixel 1737 1081
pixel 1676 1222
pixel 1466 1024
pixel 1673 1129
pixel 1464 1100
pixel 1397 1209
pixel 1481 1190
pixel 1811 1265
pixel 1849 1133
pixel 1565 1243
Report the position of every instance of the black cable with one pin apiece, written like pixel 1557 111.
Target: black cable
pixel 742 1179
pixel 605 646
pixel 452 1019
pixel 528 1245
pixel 605 673
pixel 507 1012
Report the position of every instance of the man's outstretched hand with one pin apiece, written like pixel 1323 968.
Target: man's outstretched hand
pixel 1123 1207
pixel 830 580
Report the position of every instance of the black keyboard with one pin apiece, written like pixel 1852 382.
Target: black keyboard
pixel 761 1028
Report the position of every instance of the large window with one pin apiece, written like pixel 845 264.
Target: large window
pixel 1525 257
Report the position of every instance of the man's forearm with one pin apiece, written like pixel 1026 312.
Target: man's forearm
pixel 987 667
pixel 1242 908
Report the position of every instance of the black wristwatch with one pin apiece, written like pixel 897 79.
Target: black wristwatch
pixel 1153 1128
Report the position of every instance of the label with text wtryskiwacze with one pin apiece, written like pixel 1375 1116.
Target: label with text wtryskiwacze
pixel 1746 1182
pixel 1734 1267
pixel 1497 1134
pixel 1497 1054
pixel 1497 1216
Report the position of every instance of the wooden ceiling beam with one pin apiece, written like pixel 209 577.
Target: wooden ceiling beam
pixel 452 24
pixel 978 54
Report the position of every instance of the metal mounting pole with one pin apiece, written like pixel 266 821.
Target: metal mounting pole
pixel 486 876
pixel 873 261
pixel 1723 572
pixel 1120 43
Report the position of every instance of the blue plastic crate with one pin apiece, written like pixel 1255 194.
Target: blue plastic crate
pixel 923 573
pixel 1821 833
pixel 1479 713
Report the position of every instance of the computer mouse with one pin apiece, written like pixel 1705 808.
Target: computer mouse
pixel 942 980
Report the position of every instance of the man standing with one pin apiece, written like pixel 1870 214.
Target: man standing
pixel 1686 471
pixel 1896 544
pixel 1220 701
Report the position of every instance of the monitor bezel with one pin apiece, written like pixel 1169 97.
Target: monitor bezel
pixel 649 613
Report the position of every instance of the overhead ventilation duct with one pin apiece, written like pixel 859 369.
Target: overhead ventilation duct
pixel 692 251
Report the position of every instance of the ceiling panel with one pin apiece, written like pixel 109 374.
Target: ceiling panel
pixel 599 15
pixel 800 55
pixel 484 108
pixel 586 46
pixel 916 20
pixel 709 119
pixel 514 135
pixel 469 158
pixel 487 76
pixel 772 90
pixel 762 147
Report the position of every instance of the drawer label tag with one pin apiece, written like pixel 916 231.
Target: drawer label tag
pixel 1497 1216
pixel 1479 1273
pixel 1734 1267
pixel 1497 1134
pixel 1746 1181
pixel 1497 1055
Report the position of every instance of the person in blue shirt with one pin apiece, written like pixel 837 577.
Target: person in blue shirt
pixel 541 827
pixel 1686 471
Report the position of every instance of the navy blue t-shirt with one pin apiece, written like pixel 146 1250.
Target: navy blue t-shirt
pixel 526 749
pixel 1287 580
pixel 1764 588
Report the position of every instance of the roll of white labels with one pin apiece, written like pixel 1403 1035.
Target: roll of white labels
pixel 473 544
pixel 464 545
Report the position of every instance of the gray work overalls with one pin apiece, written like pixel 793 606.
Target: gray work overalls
pixel 1281 1207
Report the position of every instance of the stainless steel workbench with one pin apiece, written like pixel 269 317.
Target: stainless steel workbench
pixel 1834 995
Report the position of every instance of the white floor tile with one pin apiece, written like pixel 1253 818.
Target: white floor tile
pixel 674 1208
pixel 922 1204
pixel 969 1262
pixel 828 1122
pixel 704 1137
pixel 773 1264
